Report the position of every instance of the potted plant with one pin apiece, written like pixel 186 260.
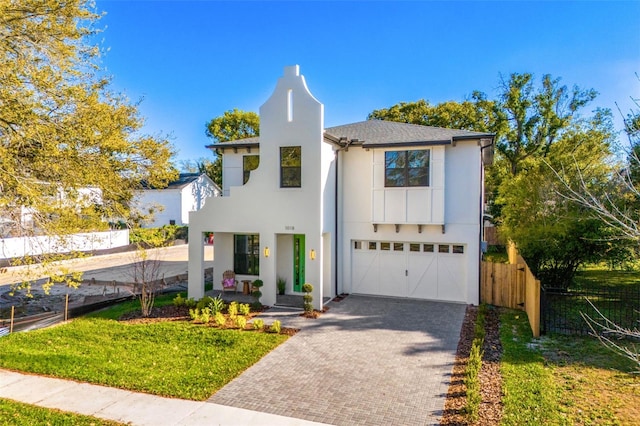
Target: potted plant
pixel 308 298
pixel 282 285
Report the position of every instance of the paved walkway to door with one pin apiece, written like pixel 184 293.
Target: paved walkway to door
pixel 367 361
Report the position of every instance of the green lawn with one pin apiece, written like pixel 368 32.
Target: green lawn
pixel 173 358
pixel 600 276
pixel 564 380
pixel 20 414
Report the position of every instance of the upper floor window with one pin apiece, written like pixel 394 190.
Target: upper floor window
pixel 290 166
pixel 406 168
pixel 249 163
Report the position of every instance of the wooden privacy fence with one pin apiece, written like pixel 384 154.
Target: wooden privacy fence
pixel 512 285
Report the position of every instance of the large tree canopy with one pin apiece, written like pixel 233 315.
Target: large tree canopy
pixel 62 130
pixel 232 125
pixel 540 135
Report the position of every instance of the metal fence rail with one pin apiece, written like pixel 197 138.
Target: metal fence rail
pixel 561 310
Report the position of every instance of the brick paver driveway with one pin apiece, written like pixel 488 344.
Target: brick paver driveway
pixel 367 361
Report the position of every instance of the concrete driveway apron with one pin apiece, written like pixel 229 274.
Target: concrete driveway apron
pixel 367 361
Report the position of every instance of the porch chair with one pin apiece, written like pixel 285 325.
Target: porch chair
pixel 229 281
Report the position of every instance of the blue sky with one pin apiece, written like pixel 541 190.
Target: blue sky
pixel 192 60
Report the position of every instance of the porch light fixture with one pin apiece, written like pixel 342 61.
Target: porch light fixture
pixel 312 254
pixel 266 252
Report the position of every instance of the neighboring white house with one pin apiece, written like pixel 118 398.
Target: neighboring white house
pixel 171 205
pixel 375 207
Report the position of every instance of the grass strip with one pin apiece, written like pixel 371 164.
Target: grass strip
pixel 20 414
pixel 531 396
pixel 474 365
pixel 174 359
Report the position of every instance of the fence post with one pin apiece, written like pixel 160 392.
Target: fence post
pixel 11 323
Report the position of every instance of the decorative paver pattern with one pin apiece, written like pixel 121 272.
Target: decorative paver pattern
pixel 366 361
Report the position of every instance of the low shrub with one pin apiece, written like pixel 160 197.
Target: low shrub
pixel 179 301
pixel 204 302
pixel 474 365
pixel 241 322
pixel 232 310
pixel 220 319
pixel 217 305
pixel 244 309
pixel 258 324
pixel 275 327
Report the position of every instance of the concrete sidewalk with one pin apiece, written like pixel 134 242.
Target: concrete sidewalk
pixel 128 407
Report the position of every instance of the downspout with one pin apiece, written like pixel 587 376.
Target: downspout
pixel 336 209
pixel 335 224
pixel 481 227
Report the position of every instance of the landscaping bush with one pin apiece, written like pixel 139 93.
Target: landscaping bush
pixel 275 327
pixel 307 298
pixel 157 237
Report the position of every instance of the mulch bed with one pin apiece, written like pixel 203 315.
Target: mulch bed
pixel 181 313
pixel 490 378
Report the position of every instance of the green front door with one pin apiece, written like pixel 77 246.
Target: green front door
pixel 298 262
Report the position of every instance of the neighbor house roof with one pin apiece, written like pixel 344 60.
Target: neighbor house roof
pixel 377 134
pixel 183 180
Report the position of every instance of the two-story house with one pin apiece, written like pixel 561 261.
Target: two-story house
pixel 375 207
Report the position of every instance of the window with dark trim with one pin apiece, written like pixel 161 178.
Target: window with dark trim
pixel 246 254
pixel 290 167
pixel 406 168
pixel 249 163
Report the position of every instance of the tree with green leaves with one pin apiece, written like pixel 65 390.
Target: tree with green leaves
pixel 536 126
pixel 555 235
pixel 213 169
pixel 477 114
pixel 62 130
pixel 232 125
pixel 71 151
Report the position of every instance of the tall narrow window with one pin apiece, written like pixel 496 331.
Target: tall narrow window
pixel 249 163
pixel 246 256
pixel 290 105
pixel 290 167
pixel 406 168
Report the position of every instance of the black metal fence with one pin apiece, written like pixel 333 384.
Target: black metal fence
pixel 561 310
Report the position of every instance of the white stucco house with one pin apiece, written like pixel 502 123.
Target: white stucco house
pixel 375 207
pixel 171 205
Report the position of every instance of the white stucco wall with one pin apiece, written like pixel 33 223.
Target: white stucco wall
pixel 461 210
pixel 261 206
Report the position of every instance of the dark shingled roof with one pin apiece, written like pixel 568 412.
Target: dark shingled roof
pixel 379 133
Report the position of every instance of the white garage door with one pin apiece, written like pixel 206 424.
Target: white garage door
pixel 402 269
